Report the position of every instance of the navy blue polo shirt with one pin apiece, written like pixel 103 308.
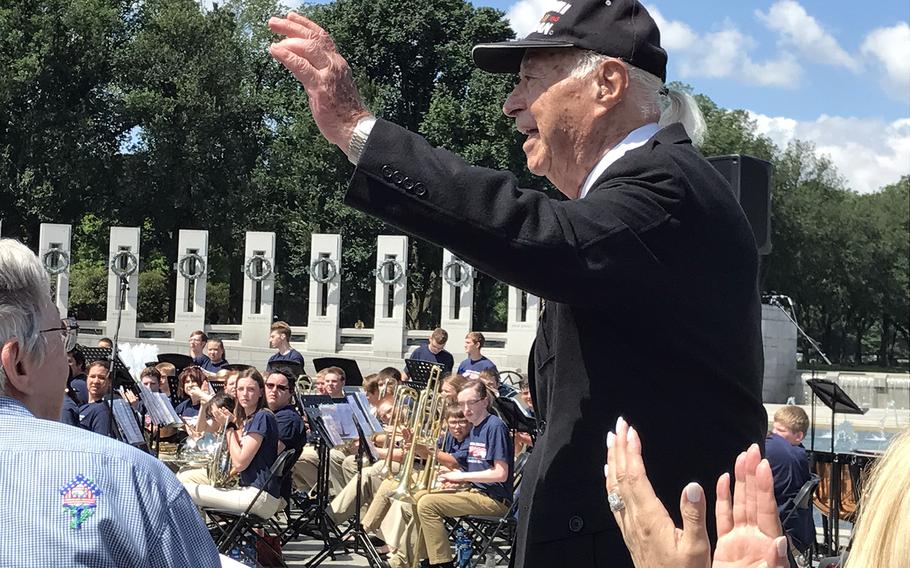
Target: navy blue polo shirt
pixel 256 474
pixel 187 409
pixel 444 358
pixel 790 470
pixel 201 360
pixel 96 417
pixel 471 367
pixel 78 385
pixel 458 450
pixel 214 367
pixel 69 413
pixel 292 433
pixel 292 356
pixel 487 442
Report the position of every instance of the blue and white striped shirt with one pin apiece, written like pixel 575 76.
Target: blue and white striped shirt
pixel 69 497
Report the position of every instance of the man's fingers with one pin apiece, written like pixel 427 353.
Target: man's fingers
pixel 297 65
pixel 723 508
pixel 692 509
pixel 289 28
pixel 768 519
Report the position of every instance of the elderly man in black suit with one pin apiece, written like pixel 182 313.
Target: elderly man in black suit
pixel 650 268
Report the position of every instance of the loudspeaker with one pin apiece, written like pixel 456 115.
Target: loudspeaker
pixel 750 178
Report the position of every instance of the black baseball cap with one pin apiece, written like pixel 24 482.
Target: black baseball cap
pixel 616 28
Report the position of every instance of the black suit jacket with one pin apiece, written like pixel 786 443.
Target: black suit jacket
pixel 652 313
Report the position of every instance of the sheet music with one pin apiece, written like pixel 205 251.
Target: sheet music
pixel 126 420
pixel 368 422
pixel 339 417
pixel 364 425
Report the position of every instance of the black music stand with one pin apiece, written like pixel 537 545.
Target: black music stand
pixel 515 419
pixel 420 370
pixel 295 368
pixel 121 378
pixel 352 375
pixel 236 367
pixel 838 401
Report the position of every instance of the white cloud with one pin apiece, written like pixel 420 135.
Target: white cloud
pixel 891 47
pixel 798 30
pixel 673 33
pixel 868 152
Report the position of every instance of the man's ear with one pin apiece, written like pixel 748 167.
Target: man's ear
pixel 11 358
pixel 800 436
pixel 612 81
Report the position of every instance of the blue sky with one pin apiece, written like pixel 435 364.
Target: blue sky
pixel 832 72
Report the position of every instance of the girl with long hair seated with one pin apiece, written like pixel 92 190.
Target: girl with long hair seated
pixel 252 439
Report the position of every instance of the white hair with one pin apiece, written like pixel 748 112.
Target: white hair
pixel 24 291
pixel 655 101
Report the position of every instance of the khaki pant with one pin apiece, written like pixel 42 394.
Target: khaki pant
pixel 433 507
pixel 197 475
pixel 306 470
pixel 342 507
pixel 236 500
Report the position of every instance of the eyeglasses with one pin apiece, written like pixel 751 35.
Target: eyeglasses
pixel 276 386
pixel 469 402
pixel 69 332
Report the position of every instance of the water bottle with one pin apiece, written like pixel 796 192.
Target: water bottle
pixel 462 548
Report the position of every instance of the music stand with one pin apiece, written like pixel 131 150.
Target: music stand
pixel 420 370
pixel 511 414
pixel 178 360
pixel 352 375
pixel 294 367
pixel 236 367
pixel 121 377
pixel 837 400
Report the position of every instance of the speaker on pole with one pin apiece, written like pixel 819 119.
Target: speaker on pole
pixel 750 179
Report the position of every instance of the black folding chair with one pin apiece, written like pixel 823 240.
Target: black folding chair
pixel 230 528
pixel 802 501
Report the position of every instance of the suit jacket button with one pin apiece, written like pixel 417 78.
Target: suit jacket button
pixel 407 184
pixel 576 523
pixel 419 189
pixel 397 178
pixel 387 171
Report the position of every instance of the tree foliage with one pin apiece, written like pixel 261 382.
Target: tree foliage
pixel 160 115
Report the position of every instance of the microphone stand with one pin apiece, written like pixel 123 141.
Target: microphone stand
pixel 124 278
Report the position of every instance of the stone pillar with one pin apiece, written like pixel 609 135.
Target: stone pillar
pixel 391 296
pixel 325 293
pixel 779 343
pixel 521 327
pixel 124 256
pixel 54 250
pixel 192 275
pixel 258 288
pixel 457 300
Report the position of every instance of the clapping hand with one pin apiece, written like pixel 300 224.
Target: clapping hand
pixel 748 530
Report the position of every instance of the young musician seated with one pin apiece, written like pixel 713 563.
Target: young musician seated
pixel 252 438
pixel 489 472
pixel 215 350
pixel 95 415
pixel 279 386
pixel 77 385
pixel 387 520
pixel 191 381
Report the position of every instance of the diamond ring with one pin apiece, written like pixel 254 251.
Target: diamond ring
pixel 616 502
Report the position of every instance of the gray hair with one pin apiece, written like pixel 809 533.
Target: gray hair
pixel 24 291
pixel 656 102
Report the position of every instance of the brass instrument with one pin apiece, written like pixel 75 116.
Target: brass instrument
pixel 425 427
pixel 405 398
pixel 218 467
pixel 305 385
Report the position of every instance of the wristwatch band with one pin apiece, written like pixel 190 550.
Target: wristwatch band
pixel 359 138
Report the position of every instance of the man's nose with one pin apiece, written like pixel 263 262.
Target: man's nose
pixel 513 105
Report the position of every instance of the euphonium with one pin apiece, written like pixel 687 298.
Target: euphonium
pixel 219 466
pixel 425 428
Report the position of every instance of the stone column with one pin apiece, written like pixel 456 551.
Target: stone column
pixel 457 300
pixel 325 293
pixel 54 250
pixel 192 275
pixel 521 327
pixel 258 288
pixel 391 296
pixel 124 256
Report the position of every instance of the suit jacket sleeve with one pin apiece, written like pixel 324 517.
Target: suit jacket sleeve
pixel 484 217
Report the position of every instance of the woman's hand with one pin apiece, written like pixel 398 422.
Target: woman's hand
pixel 749 534
pixel 647 529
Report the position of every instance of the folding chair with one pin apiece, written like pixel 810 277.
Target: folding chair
pixel 243 526
pixel 802 501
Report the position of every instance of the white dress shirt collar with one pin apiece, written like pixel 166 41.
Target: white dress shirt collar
pixel 633 140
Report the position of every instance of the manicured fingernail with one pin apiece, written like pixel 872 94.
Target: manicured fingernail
pixel 629 434
pixel 619 422
pixel 782 547
pixel 611 439
pixel 693 492
pixel 606 471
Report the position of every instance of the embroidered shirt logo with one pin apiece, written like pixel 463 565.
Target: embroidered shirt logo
pixel 551 17
pixel 80 496
pixel 477 451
